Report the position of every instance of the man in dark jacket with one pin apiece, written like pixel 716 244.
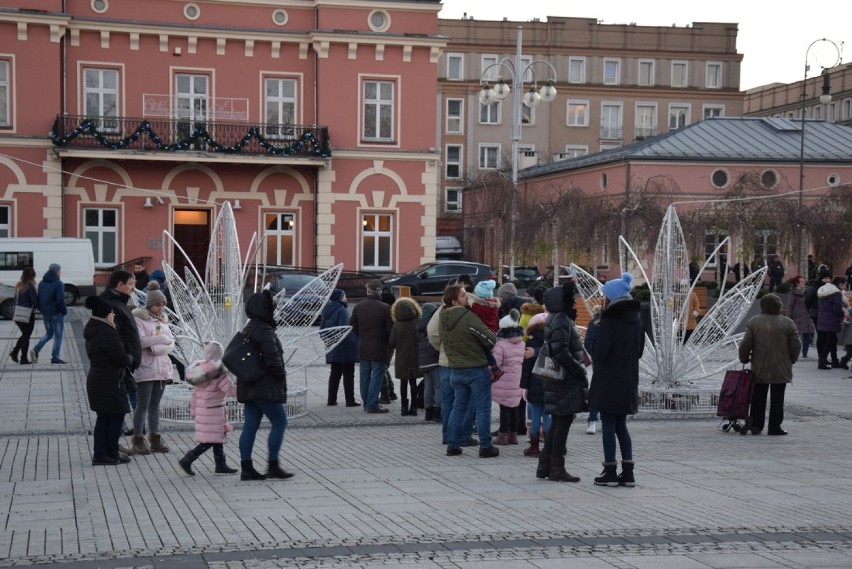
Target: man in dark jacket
pixel 117 294
pixel 776 273
pixel 831 315
pixel 51 302
pixel 342 357
pixel 371 321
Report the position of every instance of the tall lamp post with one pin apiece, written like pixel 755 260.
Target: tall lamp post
pixel 531 98
pixel 824 98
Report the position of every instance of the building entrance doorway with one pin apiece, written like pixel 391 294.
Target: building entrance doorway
pixel 192 233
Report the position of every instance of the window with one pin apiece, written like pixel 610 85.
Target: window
pixel 101 97
pixel 455 116
pixel 490 69
pixel 679 74
pixel 712 239
pixel 719 178
pixel 280 17
pixel 489 156
pixel 769 179
pixel 844 115
pixel 455 63
pixel 100 226
pixel 609 145
pixel 192 93
pixel 526 66
pixel 832 113
pixel 191 11
pixel 4 220
pixel 765 244
pixel 678 115
pixel 376 241
pixel 713 76
pixel 378 20
pixel 578 114
pixel 576 69
pixel 611 126
pixel 5 94
pixel 378 110
pixel 817 113
pixel 280 107
pixel 280 238
pixel 453 199
pixel 527 114
pixel 713 111
pixel 574 151
pixel 646 120
pixel 453 161
pixel 646 72
pixel 612 71
pixel 490 113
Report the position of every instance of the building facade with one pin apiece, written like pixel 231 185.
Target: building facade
pixel 616 84
pixel 117 123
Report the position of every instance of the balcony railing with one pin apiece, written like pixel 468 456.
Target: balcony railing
pixel 180 135
pixel 611 132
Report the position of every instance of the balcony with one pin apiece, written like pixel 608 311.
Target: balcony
pixel 611 132
pixel 182 136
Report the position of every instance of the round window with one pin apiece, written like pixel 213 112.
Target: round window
pixel 100 6
pixel 191 11
pixel 720 178
pixel 379 20
pixel 769 179
pixel 833 180
pixel 279 17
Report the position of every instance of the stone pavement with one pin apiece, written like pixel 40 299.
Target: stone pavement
pixel 378 490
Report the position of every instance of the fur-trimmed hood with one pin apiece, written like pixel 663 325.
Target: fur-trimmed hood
pixel 145 314
pixel 531 308
pixel 489 302
pixel 405 309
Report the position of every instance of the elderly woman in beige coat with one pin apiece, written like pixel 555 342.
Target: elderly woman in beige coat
pixel 772 344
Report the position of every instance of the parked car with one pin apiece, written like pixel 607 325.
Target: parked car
pixel 524 276
pixel 288 283
pixel 433 278
pixel 7 301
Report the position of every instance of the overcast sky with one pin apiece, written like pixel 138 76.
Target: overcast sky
pixel 773 36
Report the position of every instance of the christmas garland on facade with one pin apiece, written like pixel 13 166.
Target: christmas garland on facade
pixel 306 145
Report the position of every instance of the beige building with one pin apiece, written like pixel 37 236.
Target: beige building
pixel 616 84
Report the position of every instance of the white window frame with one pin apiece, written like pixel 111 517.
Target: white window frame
pixel 765 241
pixel 640 128
pixel 489 60
pixel 718 109
pixel 527 114
pixel 452 205
pixel 5 226
pixel 383 106
pixel 616 80
pixel 573 116
pixel 451 118
pixel 575 150
pixel 577 69
pixel 6 93
pixel 99 233
pixel 652 66
pixel 379 236
pixel 286 224
pixel 612 132
pixel 280 127
pixel 686 107
pixel 831 115
pixel 493 113
pixel 459 76
pixel 610 145
pixel 192 105
pixel 101 112
pixel 487 152
pixel 713 75
pixel 458 163
pixel 526 67
pixel 718 236
pixel 685 79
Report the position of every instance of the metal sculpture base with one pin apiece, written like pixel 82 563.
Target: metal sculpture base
pixel 678 401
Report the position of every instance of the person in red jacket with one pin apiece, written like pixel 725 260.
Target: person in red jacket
pixel 483 304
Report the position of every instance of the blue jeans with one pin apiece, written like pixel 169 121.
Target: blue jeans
pixel 613 426
pixel 536 413
pixel 53 328
pixel 472 388
pixel 806 343
pixel 106 433
pixel 448 397
pixel 253 413
pixel 149 394
pixel 372 376
pixel 593 416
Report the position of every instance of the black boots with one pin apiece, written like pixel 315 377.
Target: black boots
pixel 274 471
pixel 558 472
pixel 190 457
pixel 14 354
pixel 626 476
pixel 609 476
pixel 218 455
pixel 433 414
pixel 404 407
pixel 543 468
pixel 247 471
pixel 221 463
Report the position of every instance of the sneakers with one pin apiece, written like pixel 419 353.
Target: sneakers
pixel 488 452
pixel 34 356
pixel 57 361
pixel 592 428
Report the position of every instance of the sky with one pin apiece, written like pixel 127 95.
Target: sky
pixel 773 36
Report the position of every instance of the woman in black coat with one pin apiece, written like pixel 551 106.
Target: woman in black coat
pixel 343 356
pixel 562 397
pixel 107 381
pixel 615 383
pixel 267 395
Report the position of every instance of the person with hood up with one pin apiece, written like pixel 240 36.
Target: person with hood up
pixel 830 317
pixel 771 342
pixel 428 358
pixel 343 356
pixel 211 385
pixel 532 386
pixel 615 377
pixel 106 382
pixel 563 398
pixel 509 352
pixel 51 303
pixel 371 321
pixel 403 339
pixel 267 395
pixel 798 313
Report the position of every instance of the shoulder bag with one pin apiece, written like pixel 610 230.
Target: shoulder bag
pixel 244 359
pixel 23 314
pixel 546 366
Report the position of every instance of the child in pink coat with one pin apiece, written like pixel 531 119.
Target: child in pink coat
pixel 207 406
pixel 509 354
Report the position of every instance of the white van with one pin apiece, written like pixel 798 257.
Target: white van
pixel 75 256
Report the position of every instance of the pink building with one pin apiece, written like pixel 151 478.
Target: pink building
pixel 121 119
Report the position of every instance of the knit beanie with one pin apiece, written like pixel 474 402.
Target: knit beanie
pixel 54 268
pixel 98 306
pixel 511 319
pixel 155 295
pixel 485 289
pixel 374 287
pixel 617 288
pixel 337 294
pixel 507 289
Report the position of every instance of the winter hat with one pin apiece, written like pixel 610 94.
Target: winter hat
pixel 337 294
pixel 617 288
pixel 213 351
pixel 428 309
pixel 155 295
pixel 485 289
pixel 159 276
pixel 539 318
pixel 538 294
pixel 511 319
pixel 771 304
pixel 507 289
pixel 54 268
pixel 374 286
pixel 98 306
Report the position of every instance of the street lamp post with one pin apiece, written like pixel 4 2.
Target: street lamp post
pixel 824 98
pixel 531 98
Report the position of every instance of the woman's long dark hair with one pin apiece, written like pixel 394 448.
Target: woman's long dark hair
pixel 27 278
pixel 569 293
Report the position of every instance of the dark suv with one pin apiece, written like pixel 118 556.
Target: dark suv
pixel 433 278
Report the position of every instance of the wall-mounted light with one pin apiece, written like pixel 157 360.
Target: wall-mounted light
pixel 237 205
pixel 160 200
pixel 148 203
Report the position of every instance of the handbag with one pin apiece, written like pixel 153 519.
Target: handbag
pixel 546 366
pixel 23 314
pixel 244 359
pixel 844 338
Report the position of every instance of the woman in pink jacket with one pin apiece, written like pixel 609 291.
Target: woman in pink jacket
pixel 154 372
pixel 506 390
pixel 207 406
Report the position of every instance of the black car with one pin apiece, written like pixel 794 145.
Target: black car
pixel 433 278
pixel 286 284
pixel 525 277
